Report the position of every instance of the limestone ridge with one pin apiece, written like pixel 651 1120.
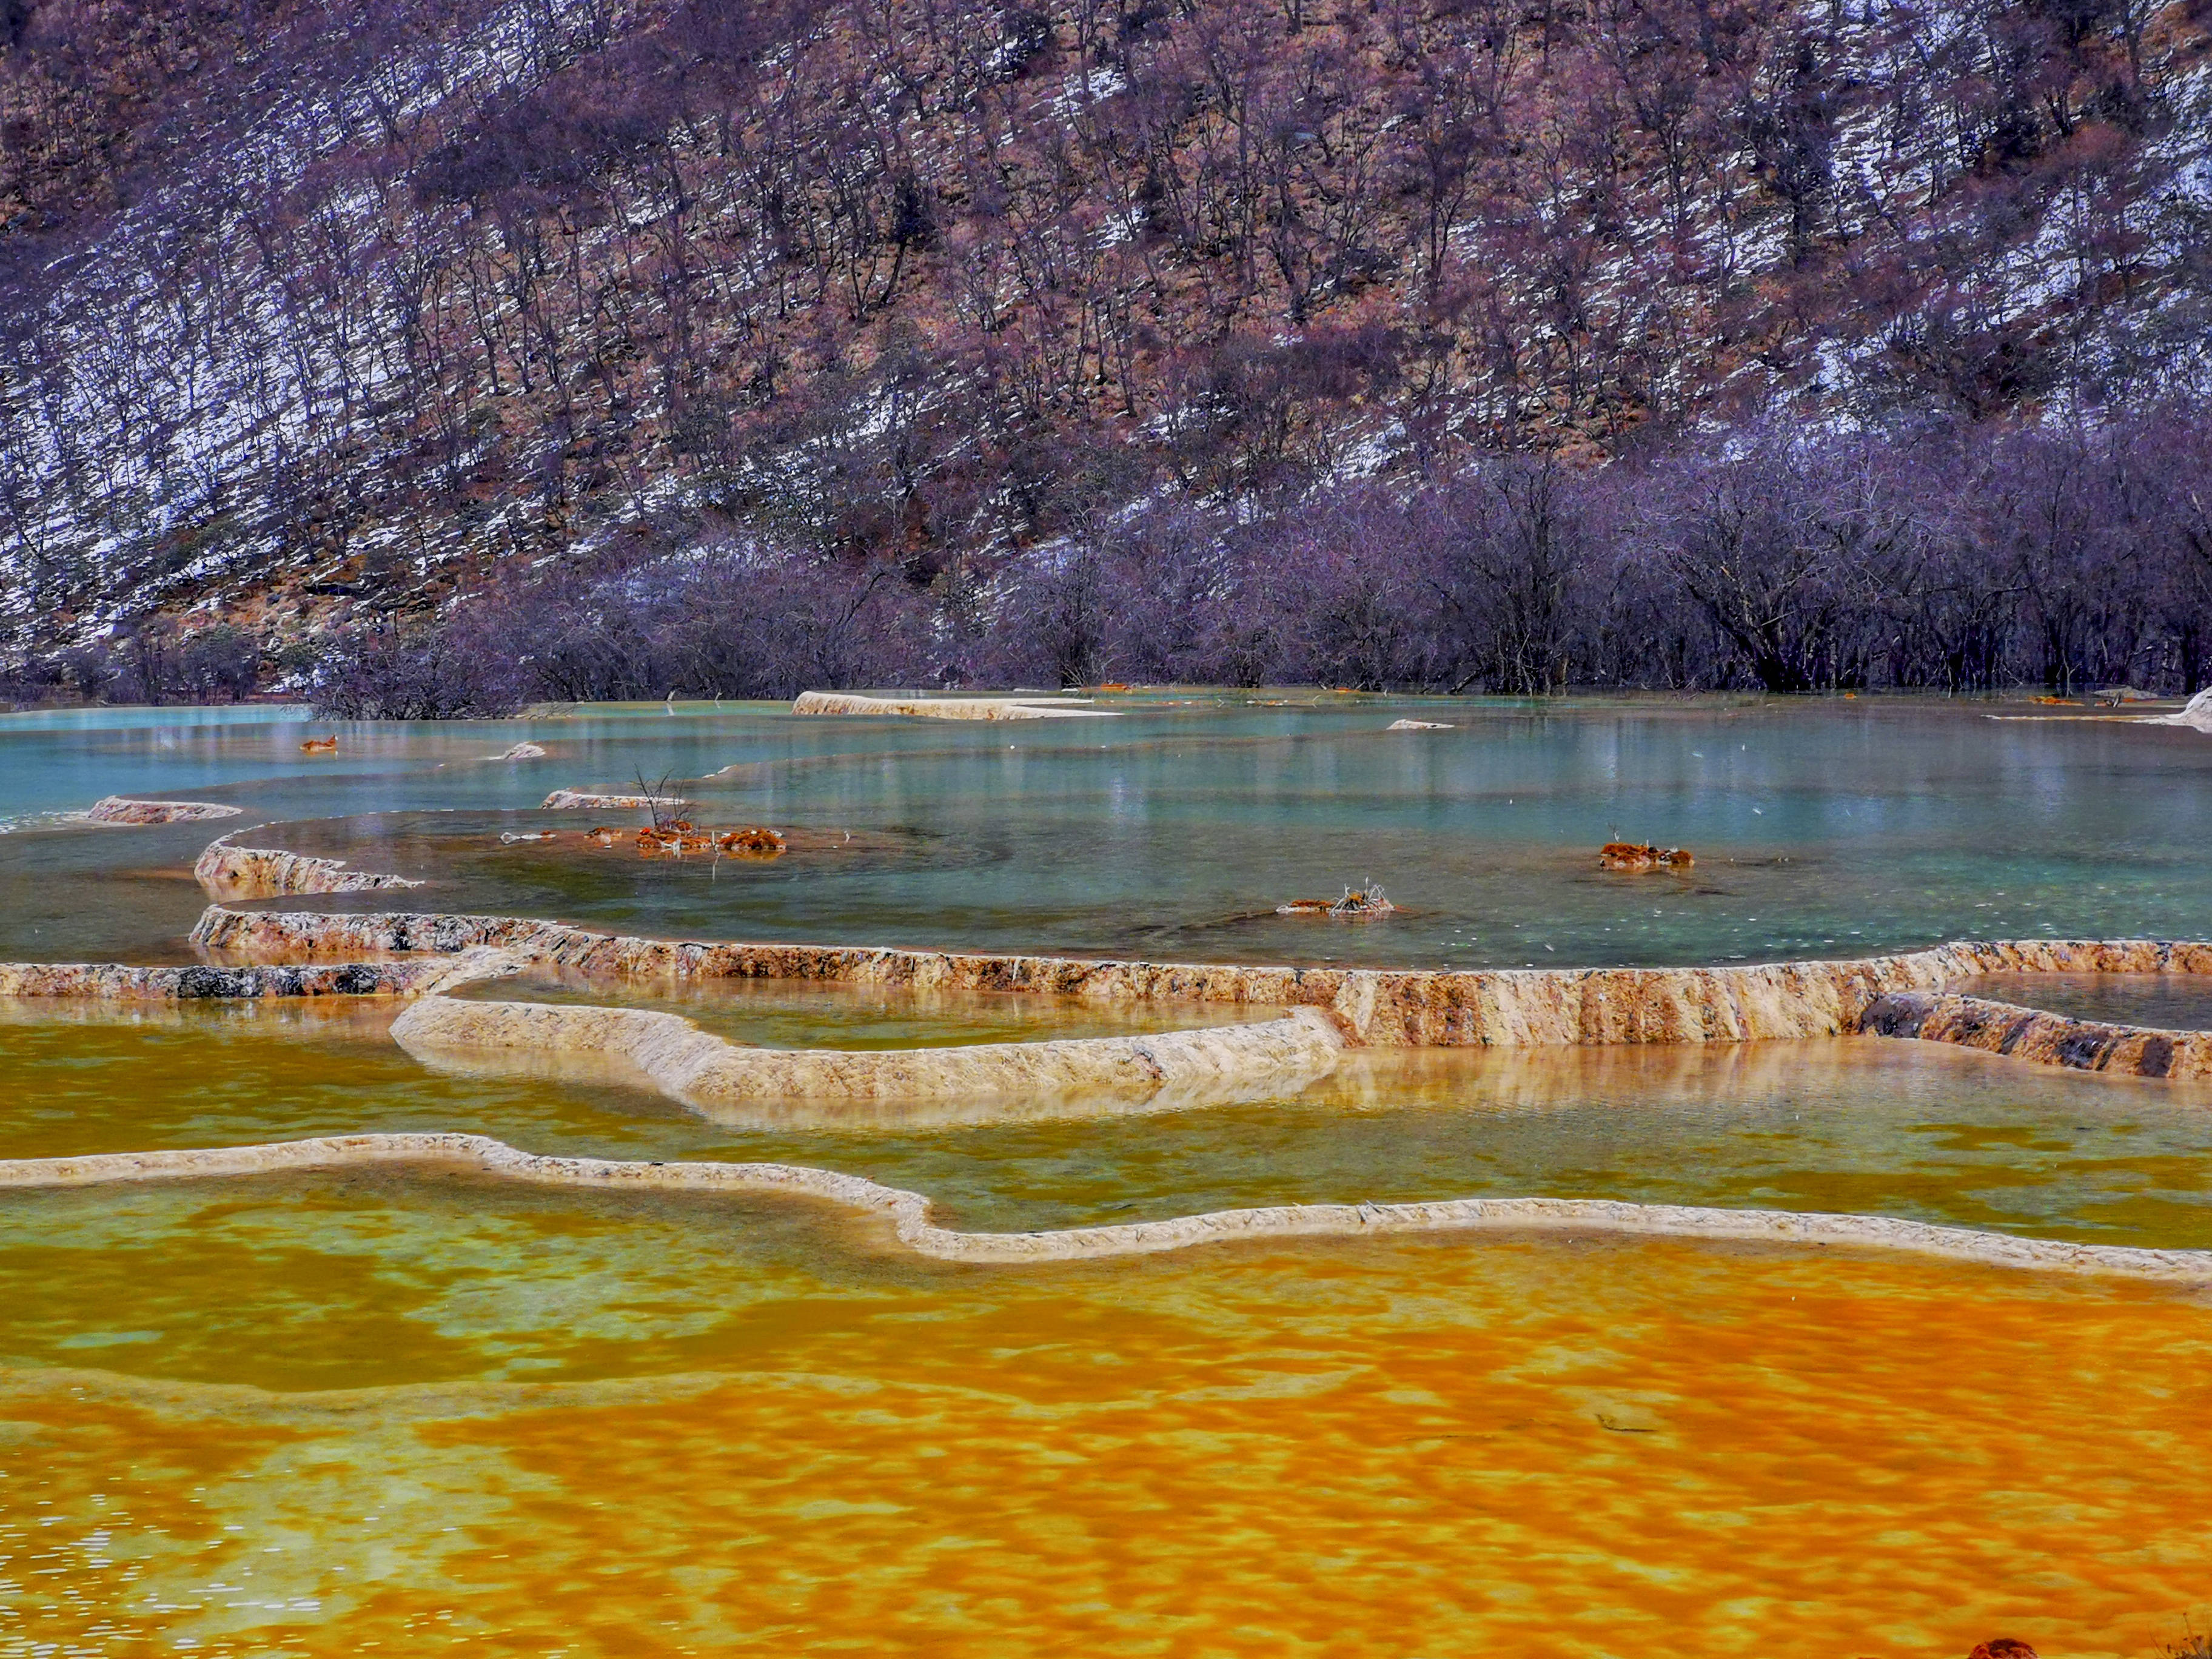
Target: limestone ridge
pixel 946 709
pixel 705 1071
pixel 118 809
pixel 2033 1034
pixel 225 871
pixel 909 1213
pixel 1378 1007
pixel 562 800
pixel 121 982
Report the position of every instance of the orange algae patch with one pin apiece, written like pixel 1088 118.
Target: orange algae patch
pixel 1381 1447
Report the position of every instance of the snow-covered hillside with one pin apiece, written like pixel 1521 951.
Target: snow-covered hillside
pixel 501 285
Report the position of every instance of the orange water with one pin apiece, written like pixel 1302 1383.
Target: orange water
pixel 1373 1448
pixel 394 1412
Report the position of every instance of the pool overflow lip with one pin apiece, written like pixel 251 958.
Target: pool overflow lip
pixel 1897 996
pixel 912 1229
pixel 419 956
pixel 1371 1007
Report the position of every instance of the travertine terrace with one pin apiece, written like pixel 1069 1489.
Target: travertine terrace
pixel 119 809
pixel 1382 1008
pixel 703 1070
pixel 118 982
pixel 943 708
pixel 225 871
pixel 569 800
pixel 2033 1034
pixel 420 956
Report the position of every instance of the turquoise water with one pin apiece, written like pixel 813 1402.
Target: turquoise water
pixel 1173 831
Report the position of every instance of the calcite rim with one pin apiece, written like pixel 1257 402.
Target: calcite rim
pixel 1373 1007
pixel 910 1212
pixel 704 1070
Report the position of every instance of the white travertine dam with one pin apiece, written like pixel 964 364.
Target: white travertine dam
pixel 705 1071
pixel 1378 1007
pixel 944 708
pixel 909 1213
pixel 225 871
pixel 1327 1009
pixel 569 800
pixel 125 810
pixel 2036 1035
pixel 125 983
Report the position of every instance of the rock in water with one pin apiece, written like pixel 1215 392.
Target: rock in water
pixel 1357 903
pixel 944 708
pixel 1632 856
pixel 2197 716
pixel 225 871
pixel 521 751
pixel 114 809
pixel 1418 726
pixel 751 841
pixel 564 800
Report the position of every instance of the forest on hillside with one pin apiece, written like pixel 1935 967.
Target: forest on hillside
pixel 1451 344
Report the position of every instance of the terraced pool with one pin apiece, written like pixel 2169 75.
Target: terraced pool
pixel 413 1409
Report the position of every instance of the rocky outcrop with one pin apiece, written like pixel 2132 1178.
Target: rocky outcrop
pixel 908 1213
pixel 2048 1039
pixel 520 752
pixel 225 871
pixel 705 1071
pixel 943 708
pixel 117 809
pixel 1418 725
pixel 1477 1008
pixel 566 800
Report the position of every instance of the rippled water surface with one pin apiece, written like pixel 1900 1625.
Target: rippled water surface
pixel 402 1411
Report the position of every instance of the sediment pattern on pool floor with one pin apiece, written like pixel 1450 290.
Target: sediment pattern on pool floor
pixel 704 1070
pixel 909 1213
pixel 1385 1008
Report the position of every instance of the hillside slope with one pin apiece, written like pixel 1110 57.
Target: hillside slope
pixel 311 307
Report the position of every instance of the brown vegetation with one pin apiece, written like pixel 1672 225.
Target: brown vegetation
pixel 751 842
pixel 1632 856
pixel 305 314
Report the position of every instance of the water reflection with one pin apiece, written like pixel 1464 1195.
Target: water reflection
pixel 2174 1002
